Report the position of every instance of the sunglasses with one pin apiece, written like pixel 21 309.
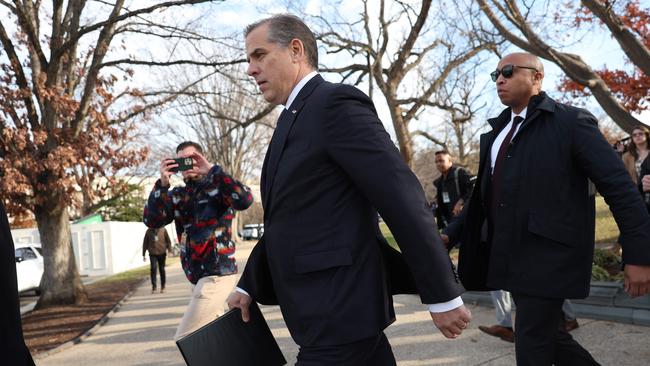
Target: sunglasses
pixel 507 71
pixel 638 134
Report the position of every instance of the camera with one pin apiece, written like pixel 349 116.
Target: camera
pixel 183 164
pixel 621 144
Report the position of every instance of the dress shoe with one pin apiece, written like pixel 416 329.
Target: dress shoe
pixel 162 290
pixel 153 290
pixel 570 325
pixel 498 331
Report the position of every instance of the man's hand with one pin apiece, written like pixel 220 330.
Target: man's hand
pixel 637 280
pixel 646 183
pixel 445 240
pixel 241 301
pixel 201 165
pixel 451 323
pixel 165 172
pixel 458 207
pixel 144 259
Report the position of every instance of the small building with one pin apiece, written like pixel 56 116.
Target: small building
pixel 101 248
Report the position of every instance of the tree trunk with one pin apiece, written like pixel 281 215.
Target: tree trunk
pixel 403 135
pixel 61 284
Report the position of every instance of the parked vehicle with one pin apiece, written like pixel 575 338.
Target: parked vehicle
pixel 29 267
pixel 252 231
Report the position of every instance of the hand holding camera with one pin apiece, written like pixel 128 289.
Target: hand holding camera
pixel 192 164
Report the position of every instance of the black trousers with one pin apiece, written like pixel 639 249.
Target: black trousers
pixel 157 262
pixel 538 339
pixel 374 351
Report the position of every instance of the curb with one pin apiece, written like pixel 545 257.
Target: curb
pixel 80 338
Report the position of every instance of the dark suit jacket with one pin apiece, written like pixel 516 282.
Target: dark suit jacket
pixel 542 238
pixel 12 347
pixel 444 211
pixel 322 248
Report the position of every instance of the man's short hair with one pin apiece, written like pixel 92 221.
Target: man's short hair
pixel 442 152
pixel 285 27
pixel 186 144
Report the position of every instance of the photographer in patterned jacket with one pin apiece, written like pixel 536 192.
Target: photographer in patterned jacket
pixel 198 210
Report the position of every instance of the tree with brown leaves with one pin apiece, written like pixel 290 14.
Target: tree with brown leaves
pixel 66 115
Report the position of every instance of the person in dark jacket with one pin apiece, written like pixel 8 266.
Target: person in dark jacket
pixel 156 242
pixel 453 188
pixel 330 167
pixel 196 210
pixel 529 225
pixel 12 347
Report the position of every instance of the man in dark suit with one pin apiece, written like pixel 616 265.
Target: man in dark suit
pixel 453 188
pixel 12 347
pixel 329 168
pixel 529 225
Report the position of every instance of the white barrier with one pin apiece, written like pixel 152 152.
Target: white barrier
pixel 103 248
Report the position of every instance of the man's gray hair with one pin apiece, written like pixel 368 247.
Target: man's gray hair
pixel 285 27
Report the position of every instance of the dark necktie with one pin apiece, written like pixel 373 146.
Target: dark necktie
pixel 496 173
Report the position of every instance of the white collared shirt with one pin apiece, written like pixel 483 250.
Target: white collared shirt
pixel 298 87
pixel 496 145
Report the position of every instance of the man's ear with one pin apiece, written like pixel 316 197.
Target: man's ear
pixel 538 77
pixel 297 49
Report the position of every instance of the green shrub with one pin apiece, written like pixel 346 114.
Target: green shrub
pixel 598 273
pixel 606 259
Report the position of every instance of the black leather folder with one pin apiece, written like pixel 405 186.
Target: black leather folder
pixel 229 341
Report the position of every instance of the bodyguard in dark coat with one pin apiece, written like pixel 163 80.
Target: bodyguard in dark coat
pixel 529 225
pixel 329 168
pixel 12 347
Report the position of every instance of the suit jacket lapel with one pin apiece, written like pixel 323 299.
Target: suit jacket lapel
pixel 486 141
pixel 279 139
pixel 274 152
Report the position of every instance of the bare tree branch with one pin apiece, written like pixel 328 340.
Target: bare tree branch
pixel 631 45
pixel 171 63
pixel 572 65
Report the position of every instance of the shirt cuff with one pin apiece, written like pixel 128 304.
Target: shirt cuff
pixel 242 291
pixel 443 306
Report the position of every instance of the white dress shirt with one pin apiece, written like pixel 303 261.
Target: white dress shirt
pixel 502 135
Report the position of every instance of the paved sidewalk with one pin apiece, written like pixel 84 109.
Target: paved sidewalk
pixel 141 332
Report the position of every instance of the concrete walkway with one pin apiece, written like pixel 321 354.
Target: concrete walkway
pixel 141 332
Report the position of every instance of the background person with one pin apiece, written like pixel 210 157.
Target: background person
pixel 196 209
pixel 156 241
pixel 453 188
pixel 637 152
pixel 529 225
pixel 329 168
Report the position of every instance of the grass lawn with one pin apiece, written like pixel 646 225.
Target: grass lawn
pixel 606 229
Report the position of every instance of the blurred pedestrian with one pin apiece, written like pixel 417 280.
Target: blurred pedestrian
pixel 453 188
pixel 156 241
pixel 637 152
